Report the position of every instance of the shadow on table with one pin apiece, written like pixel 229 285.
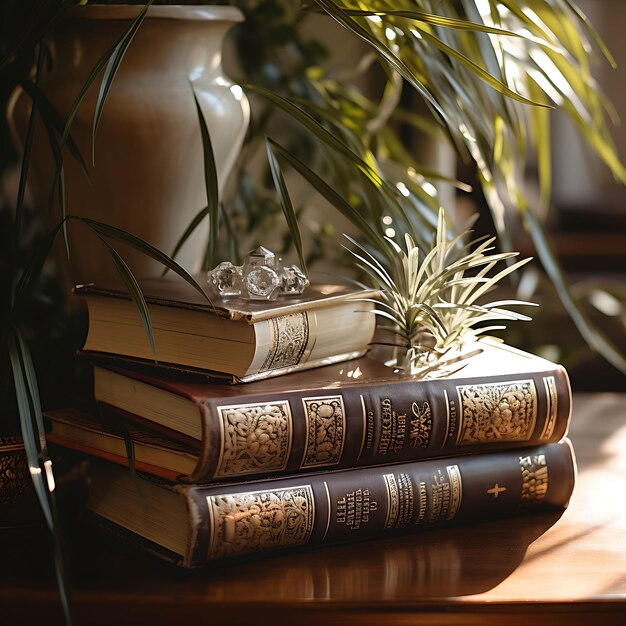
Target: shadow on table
pixel 434 564
pixel 406 568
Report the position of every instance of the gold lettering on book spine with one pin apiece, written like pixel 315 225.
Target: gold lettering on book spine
pixel 256 438
pixel 393 500
pixel 493 412
pixel 289 338
pixel 456 490
pixel 552 402
pixel 246 522
pixel 534 478
pixel 326 427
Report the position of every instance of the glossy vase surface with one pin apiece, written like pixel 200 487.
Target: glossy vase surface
pixel 148 172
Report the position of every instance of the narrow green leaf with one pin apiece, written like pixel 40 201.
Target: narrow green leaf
pixel 34 266
pixel 191 227
pixel 63 210
pixel 143 246
pixel 52 119
pixel 592 335
pixel 584 20
pixel 210 182
pixel 435 20
pixel 340 16
pixel 135 293
pixel 483 74
pixel 33 436
pixel 91 77
pixel 233 246
pixel 285 203
pixel 25 165
pixel 110 71
pixel 318 130
pixel 349 212
pixel 129 444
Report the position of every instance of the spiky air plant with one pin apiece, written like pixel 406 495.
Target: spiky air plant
pixel 434 298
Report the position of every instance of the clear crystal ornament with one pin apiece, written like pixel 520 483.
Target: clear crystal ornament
pixel 262 283
pixel 261 257
pixel 293 280
pixel 226 279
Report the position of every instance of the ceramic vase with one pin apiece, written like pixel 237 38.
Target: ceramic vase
pixel 148 173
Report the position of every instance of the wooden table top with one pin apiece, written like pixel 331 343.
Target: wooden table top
pixel 558 568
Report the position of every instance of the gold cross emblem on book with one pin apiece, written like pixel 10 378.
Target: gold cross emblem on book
pixel 496 490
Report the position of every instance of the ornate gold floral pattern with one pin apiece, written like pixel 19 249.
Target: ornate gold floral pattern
pixel 325 420
pixel 256 437
pixel 262 520
pixel 289 339
pixel 14 477
pixel 497 412
pixel 534 478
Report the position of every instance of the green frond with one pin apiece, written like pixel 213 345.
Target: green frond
pixel 430 299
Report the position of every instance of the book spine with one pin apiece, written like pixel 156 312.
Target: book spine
pixel 360 425
pixel 335 507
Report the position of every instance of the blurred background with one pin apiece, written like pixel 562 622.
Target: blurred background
pixel 586 221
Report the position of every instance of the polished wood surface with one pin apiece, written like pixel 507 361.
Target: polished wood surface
pixel 558 568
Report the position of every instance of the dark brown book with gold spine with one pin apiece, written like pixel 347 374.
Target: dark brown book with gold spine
pixel 355 414
pixel 193 524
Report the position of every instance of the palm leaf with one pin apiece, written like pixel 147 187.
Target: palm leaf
pixel 191 227
pixel 135 293
pixel 110 71
pixel 117 234
pixel 435 20
pixel 592 335
pixel 53 121
pixel 341 17
pixel 374 237
pixel 285 203
pixel 210 183
pixel 91 77
pixel 33 435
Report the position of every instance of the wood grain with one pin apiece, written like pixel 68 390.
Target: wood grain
pixel 567 568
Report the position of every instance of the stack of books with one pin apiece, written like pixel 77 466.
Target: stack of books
pixel 265 426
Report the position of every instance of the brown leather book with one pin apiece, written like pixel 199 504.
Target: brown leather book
pixel 353 414
pixel 193 524
pixel 241 339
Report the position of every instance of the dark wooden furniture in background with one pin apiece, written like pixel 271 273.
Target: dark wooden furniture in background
pixel 556 568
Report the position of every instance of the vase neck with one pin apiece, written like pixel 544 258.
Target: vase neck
pixel 160 45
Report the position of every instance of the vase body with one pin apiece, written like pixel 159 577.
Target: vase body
pixel 148 177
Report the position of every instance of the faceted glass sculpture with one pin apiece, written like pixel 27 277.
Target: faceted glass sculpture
pixel 262 283
pixel 293 280
pixel 261 257
pixel 226 279
pixel 261 277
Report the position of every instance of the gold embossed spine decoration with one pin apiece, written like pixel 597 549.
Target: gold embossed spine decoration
pixel 497 412
pixel 456 490
pixel 255 438
pixel 535 477
pixel 325 419
pixel 242 523
pixel 552 408
pixel 14 476
pixel 392 500
pixel 289 341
